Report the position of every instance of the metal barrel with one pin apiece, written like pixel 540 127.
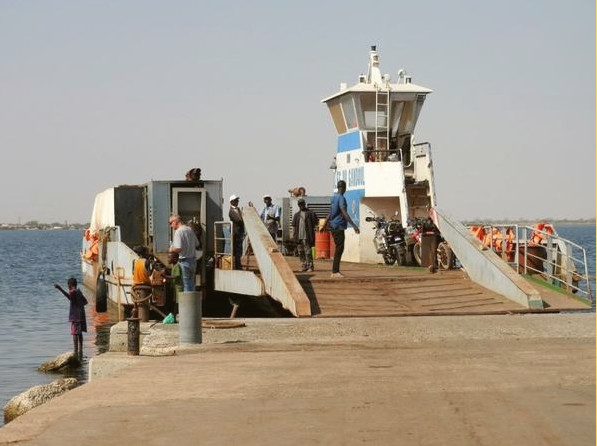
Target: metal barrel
pixel 189 317
pixel 133 335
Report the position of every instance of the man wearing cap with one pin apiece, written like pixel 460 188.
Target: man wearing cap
pixel 270 215
pixel 185 244
pixel 304 223
pixel 238 230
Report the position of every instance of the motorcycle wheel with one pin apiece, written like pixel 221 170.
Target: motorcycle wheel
pixel 388 259
pixel 445 256
pixel 417 253
pixel 401 259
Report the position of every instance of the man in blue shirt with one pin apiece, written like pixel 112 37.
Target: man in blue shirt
pixel 338 220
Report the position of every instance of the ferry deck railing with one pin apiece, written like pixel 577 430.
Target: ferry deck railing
pixel 558 261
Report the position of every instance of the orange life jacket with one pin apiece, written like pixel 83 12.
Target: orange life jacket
pixel 541 230
pixel 140 273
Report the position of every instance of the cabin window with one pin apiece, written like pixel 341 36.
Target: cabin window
pixel 397 108
pixel 368 107
pixel 336 112
pixel 407 119
pixel 350 115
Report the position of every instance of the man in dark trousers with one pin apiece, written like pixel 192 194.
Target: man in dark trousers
pixel 304 223
pixel 238 230
pixel 338 220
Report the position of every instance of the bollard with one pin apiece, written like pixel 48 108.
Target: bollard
pixel 133 335
pixel 189 317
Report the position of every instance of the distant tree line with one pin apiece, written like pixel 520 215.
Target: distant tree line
pixel 34 224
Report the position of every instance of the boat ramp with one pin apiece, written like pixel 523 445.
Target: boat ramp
pixel 486 286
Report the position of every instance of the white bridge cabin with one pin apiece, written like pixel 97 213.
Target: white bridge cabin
pixel 384 170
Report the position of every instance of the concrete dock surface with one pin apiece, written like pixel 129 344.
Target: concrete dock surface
pixel 444 380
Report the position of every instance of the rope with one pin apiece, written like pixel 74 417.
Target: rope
pixel 139 300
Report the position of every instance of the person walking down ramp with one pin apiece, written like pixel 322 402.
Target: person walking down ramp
pixel 338 220
pixel 304 223
pixel 76 314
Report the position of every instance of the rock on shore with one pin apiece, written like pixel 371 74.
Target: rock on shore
pixel 36 396
pixel 63 360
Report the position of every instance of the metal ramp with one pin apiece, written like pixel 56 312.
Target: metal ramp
pixel 484 266
pixel 275 278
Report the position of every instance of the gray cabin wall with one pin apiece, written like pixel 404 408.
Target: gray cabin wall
pixel 159 199
pixel 129 214
pixel 213 208
pixel 158 212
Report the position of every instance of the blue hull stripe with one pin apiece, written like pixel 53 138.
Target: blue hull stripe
pixel 349 141
pixel 353 200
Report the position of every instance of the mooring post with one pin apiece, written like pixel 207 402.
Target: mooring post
pixel 133 335
pixel 189 314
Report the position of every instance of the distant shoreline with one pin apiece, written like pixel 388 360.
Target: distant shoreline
pixel 489 221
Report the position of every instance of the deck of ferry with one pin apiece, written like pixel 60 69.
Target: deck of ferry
pixel 380 290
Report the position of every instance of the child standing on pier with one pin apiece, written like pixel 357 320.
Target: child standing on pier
pixel 175 275
pixel 76 314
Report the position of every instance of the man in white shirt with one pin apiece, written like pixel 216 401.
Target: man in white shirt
pixel 185 244
pixel 270 215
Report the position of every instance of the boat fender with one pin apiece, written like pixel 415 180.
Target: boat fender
pixel 101 294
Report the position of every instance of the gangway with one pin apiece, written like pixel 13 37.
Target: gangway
pixel 485 267
pixel 488 286
pixel 275 279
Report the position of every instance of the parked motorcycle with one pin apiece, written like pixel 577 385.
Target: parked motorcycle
pixel 419 227
pixel 414 236
pixel 389 240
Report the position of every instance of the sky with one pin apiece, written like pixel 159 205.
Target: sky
pixel 97 94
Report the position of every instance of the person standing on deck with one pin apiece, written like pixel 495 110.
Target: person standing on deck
pixel 185 244
pixel 304 223
pixel 238 230
pixel 338 220
pixel 270 215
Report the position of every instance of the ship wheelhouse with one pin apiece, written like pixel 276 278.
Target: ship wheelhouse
pixel 386 172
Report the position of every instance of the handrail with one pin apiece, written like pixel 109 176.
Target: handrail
pixel 553 258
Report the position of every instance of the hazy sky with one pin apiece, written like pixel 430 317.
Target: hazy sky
pixel 99 93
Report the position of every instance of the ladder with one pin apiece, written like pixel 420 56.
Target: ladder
pixel 382 121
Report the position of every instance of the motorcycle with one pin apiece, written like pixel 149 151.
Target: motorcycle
pixel 418 227
pixel 389 240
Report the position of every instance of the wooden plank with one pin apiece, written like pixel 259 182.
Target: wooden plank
pixel 461 301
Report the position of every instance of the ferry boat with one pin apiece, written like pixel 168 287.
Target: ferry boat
pixel 388 172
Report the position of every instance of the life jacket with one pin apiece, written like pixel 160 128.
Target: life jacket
pixel 541 230
pixel 140 273
pixel 478 232
pixel 92 252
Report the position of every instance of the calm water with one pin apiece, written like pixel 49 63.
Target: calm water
pixel 34 314
pixel 35 325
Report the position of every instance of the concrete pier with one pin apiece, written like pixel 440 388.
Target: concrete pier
pixel 465 380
